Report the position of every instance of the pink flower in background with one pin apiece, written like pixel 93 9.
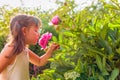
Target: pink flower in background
pixel 43 41
pixel 55 20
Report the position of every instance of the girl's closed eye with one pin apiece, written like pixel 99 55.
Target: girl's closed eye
pixel 37 32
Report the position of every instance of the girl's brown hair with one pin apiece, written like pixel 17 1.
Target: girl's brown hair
pixel 16 35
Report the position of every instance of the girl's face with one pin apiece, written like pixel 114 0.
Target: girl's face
pixel 31 35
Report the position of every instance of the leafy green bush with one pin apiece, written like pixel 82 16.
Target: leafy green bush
pixel 89 42
pixel 2 42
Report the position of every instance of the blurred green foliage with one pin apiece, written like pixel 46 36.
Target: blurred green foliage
pixel 2 42
pixel 89 40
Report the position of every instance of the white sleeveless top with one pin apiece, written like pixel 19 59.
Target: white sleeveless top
pixel 19 70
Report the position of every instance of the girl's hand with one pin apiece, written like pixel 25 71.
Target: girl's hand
pixel 54 46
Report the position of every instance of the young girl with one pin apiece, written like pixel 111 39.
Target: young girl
pixel 15 56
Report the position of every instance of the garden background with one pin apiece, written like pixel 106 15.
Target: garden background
pixel 89 40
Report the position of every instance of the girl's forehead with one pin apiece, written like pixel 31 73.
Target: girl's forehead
pixel 37 25
pixel 34 27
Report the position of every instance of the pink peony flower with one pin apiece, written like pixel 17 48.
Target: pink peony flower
pixel 55 20
pixel 43 41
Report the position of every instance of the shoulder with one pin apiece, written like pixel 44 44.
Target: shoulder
pixel 5 53
pixel 4 59
pixel 7 50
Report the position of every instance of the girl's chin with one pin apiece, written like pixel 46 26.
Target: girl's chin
pixel 33 43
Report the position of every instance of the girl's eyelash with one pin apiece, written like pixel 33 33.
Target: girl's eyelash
pixel 36 31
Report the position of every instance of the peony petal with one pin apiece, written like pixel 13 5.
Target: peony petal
pixel 43 41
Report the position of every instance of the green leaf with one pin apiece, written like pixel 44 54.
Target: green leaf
pixel 83 38
pixel 114 74
pixel 68 33
pixel 99 63
pixel 54 38
pixel 103 32
pixel 113 25
pixel 78 67
pixel 118 50
pixel 101 77
pixel 60 38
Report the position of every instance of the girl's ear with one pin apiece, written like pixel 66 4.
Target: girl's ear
pixel 24 30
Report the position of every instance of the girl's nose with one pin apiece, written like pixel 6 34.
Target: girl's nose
pixel 38 34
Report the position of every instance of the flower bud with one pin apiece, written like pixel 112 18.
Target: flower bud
pixel 55 20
